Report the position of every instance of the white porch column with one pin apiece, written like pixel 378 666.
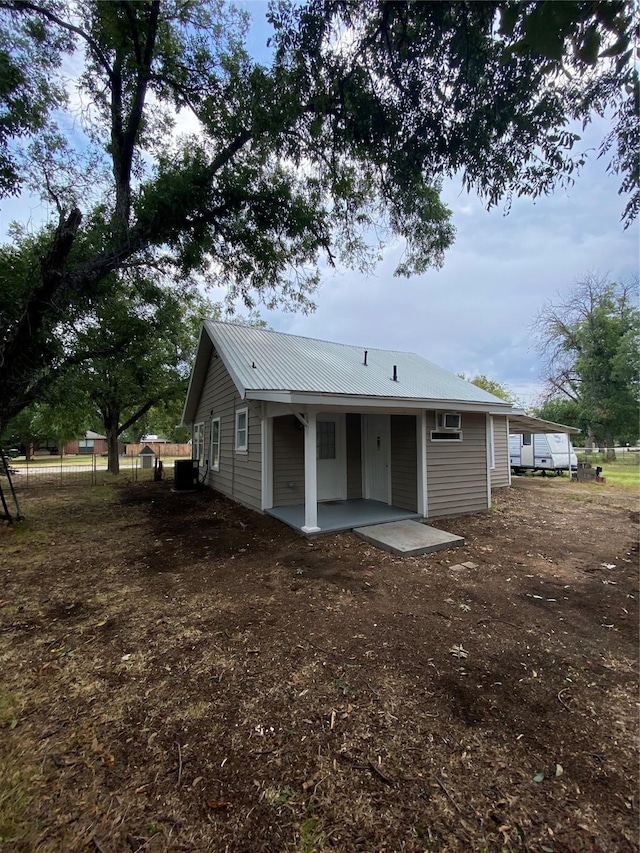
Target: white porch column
pixel 488 442
pixel 267 461
pixel 421 429
pixel 310 476
pixel 569 454
pixel 508 453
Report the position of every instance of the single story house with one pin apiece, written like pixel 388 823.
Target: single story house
pixel 92 444
pixel 327 436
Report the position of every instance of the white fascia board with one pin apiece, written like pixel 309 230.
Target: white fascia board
pixel 384 404
pixel 187 414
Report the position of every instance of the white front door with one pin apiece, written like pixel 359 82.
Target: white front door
pixel 331 451
pixel 377 457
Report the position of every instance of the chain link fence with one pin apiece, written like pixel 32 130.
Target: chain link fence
pixel 79 471
pixel 625 455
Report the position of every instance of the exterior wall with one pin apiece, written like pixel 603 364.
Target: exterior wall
pixel 99 447
pixel 288 461
pixel 354 456
pixel 457 471
pixel 404 464
pixel 239 476
pixel 500 474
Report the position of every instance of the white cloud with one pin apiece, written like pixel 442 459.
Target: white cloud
pixel 473 315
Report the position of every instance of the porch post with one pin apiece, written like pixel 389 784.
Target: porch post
pixel 488 436
pixel 267 461
pixel 508 453
pixel 421 429
pixel 310 476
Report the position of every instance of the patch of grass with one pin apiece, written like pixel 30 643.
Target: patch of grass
pixel 619 474
pixel 10 705
pixel 625 471
pixel 312 836
pixel 16 783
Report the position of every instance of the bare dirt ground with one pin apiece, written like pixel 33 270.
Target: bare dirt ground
pixel 179 673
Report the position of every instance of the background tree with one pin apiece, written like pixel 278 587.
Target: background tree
pixel 61 416
pixel 590 343
pixel 493 387
pixel 563 411
pixel 148 332
pixel 347 134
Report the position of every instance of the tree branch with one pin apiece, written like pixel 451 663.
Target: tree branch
pixel 138 415
pixel 26 6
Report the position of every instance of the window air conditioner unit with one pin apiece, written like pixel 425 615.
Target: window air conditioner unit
pixel 449 420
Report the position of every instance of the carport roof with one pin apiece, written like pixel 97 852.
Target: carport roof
pixel 521 422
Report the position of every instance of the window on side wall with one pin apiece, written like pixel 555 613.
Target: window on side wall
pixel 242 431
pixel 197 448
pixel 215 444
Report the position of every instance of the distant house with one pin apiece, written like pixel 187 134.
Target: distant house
pixel 312 431
pixel 92 444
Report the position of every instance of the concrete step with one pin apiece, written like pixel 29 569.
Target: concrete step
pixel 408 538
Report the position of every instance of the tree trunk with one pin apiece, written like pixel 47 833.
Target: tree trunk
pixel 111 423
pixel 588 443
pixel 610 451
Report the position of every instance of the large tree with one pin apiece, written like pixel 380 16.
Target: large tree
pixel 342 141
pixel 590 343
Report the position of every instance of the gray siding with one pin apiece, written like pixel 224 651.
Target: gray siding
pixel 457 471
pixel 404 465
pixel 500 474
pixel 354 456
pixel 240 475
pixel 288 461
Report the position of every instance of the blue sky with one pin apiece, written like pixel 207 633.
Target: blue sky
pixel 473 315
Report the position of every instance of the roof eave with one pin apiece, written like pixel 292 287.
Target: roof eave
pixel 196 380
pixel 318 398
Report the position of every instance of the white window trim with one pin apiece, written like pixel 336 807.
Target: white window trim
pixel 198 443
pixel 456 437
pixel 492 444
pixel 215 466
pixel 242 448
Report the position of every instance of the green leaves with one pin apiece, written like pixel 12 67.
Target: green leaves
pixel 339 144
pixel 592 340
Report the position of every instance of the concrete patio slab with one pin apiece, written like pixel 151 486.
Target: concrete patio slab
pixel 337 516
pixel 408 538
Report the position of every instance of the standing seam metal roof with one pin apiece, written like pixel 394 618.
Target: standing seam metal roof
pixel 291 363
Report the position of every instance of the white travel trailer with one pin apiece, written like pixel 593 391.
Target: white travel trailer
pixel 551 451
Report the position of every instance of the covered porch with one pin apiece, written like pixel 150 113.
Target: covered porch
pixel 339 515
pixel 330 470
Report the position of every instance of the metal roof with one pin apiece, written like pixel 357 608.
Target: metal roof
pixel 521 422
pixel 262 360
